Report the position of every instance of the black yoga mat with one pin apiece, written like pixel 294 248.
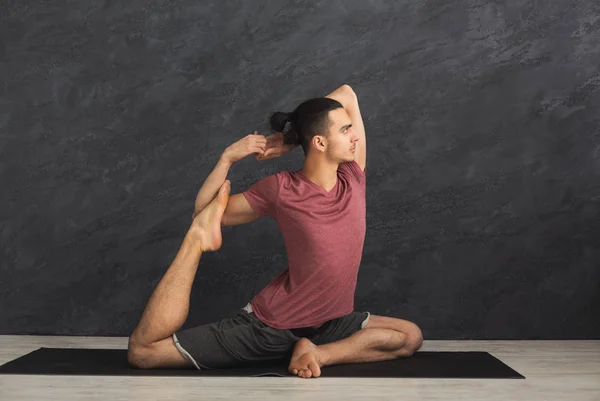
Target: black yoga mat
pixel 113 362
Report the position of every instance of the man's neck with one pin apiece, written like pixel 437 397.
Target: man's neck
pixel 321 172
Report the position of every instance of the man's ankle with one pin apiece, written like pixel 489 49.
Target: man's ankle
pixel 192 240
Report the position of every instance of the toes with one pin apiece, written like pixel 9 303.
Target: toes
pixel 314 367
pixel 307 373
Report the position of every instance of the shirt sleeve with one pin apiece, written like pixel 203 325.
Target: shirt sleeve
pixel 263 195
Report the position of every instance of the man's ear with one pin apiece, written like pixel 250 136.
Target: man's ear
pixel 318 142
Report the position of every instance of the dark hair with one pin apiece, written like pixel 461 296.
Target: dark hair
pixel 310 118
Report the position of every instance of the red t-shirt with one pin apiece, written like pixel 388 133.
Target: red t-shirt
pixel 324 234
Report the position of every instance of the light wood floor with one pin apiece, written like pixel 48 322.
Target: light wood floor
pixel 554 370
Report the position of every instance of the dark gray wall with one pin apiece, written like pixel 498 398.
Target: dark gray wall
pixel 483 163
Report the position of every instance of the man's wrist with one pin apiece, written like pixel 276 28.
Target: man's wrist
pixel 224 160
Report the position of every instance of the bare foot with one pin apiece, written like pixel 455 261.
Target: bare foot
pixel 306 359
pixel 206 227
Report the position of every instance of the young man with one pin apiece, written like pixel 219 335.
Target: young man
pixel 306 313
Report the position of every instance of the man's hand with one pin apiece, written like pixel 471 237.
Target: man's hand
pixel 274 147
pixel 251 143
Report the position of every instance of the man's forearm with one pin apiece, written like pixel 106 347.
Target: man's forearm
pixel 212 184
pixel 344 94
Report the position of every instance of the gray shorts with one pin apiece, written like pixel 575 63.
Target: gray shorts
pixel 244 340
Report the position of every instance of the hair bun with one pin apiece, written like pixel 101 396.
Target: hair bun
pixel 279 121
pixel 291 137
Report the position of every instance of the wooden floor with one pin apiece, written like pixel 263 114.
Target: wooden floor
pixel 554 370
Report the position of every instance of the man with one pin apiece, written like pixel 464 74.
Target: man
pixel 305 313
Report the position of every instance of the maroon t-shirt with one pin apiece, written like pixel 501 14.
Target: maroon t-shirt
pixel 324 234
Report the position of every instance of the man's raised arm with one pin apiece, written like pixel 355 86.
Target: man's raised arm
pixel 346 96
pixel 252 143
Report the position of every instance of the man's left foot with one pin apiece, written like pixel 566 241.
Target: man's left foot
pixel 206 227
pixel 306 359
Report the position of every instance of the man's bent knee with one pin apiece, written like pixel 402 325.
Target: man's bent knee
pixel 161 354
pixel 416 339
pixel 413 342
pixel 138 355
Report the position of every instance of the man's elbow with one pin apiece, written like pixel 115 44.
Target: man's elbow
pixel 349 89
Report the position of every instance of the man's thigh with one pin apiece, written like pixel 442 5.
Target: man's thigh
pixel 340 328
pixel 391 323
pixel 238 341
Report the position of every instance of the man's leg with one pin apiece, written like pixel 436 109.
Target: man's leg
pixel 150 344
pixel 366 345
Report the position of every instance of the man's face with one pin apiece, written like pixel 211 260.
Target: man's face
pixel 342 138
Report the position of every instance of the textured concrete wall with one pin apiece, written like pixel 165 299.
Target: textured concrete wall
pixel 483 165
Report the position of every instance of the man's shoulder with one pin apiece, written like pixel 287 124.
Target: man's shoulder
pixel 352 167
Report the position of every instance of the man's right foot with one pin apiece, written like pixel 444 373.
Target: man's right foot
pixel 206 227
pixel 306 359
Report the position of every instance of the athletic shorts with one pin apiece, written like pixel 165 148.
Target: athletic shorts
pixel 243 340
